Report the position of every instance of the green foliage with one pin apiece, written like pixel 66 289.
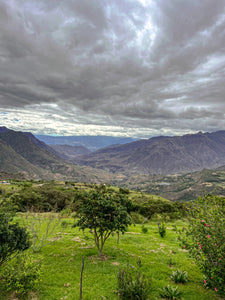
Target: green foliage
pixel 65 224
pixel 124 191
pixel 169 292
pixel 65 212
pixel 132 284
pixel 179 276
pixel 149 207
pixel 103 212
pixel 46 197
pixel 144 229
pixel 13 238
pixel 22 274
pixel 162 229
pixel 205 237
pixel 137 218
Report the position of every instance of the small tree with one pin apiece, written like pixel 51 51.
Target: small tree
pixel 13 238
pixel 103 212
pixel 41 228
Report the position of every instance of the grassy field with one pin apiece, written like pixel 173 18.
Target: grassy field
pixel 62 259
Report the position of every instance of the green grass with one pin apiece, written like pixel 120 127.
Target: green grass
pixel 160 256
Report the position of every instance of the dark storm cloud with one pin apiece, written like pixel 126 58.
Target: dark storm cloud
pixel 158 65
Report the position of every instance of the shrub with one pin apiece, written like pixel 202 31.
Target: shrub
pixel 132 284
pixel 65 224
pixel 42 228
pixel 205 237
pixel 144 229
pixel 162 229
pixel 149 207
pixel 22 274
pixel 169 292
pixel 137 218
pixel 66 212
pixel 124 191
pixel 179 276
pixel 13 238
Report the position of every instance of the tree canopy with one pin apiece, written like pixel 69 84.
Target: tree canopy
pixel 13 238
pixel 103 211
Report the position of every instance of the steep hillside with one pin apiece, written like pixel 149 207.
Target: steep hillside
pixel 26 153
pixel 10 161
pixel 24 145
pixel 163 155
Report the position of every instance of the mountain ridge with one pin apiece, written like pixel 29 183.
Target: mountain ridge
pixel 23 152
pixel 90 142
pixel 162 155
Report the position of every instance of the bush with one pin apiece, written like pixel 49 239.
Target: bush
pixel 22 274
pixel 124 191
pixel 179 276
pixel 137 218
pixel 13 238
pixel 42 228
pixel 205 237
pixel 144 229
pixel 132 284
pixel 169 292
pixel 149 207
pixel 162 229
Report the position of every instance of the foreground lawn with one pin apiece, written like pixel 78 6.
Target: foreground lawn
pixel 62 259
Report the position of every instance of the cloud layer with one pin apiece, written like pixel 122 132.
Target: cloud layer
pixel 126 67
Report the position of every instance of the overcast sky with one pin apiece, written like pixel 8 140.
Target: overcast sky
pixel 112 67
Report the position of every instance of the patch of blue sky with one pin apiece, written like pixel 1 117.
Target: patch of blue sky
pixel 3 113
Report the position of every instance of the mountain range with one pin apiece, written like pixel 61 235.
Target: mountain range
pixel 161 155
pixel 92 143
pixel 23 152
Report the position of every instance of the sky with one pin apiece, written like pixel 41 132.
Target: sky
pixel 137 68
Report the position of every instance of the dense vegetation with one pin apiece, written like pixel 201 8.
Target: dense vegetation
pixel 158 265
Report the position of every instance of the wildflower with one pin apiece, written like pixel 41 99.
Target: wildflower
pixel 211 278
pixel 198 243
pixel 216 290
pixel 200 247
pixel 208 225
pixel 204 281
pixel 203 221
pixel 205 224
pixel 215 244
pixel 208 236
pixel 184 246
